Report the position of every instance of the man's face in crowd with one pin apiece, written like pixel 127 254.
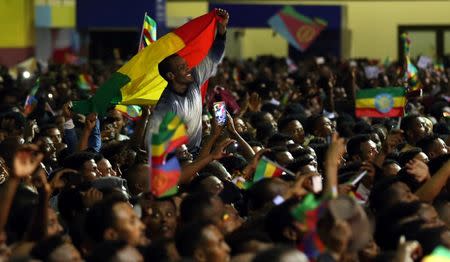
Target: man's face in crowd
pixel 214 248
pixel 240 125
pixel 368 151
pixel 438 148
pixel 212 184
pixel 418 129
pixel 268 118
pixel 162 222
pixel 49 148
pixel 296 131
pixel 55 135
pixel 128 226
pixel 105 168
pixel 206 124
pixel 119 122
pixel 181 75
pixel 324 127
pixel 90 170
pixel 232 220
pixel 183 154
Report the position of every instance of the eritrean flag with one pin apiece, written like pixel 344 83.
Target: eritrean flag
pixel 267 168
pixel 164 178
pixel 299 30
pixel 148 32
pixel 172 134
pixel 138 82
pixel 380 102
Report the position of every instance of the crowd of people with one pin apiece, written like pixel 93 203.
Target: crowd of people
pixel 75 187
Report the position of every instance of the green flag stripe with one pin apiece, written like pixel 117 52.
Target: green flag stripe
pixel 260 170
pixel 289 10
pixel 106 96
pixel 371 93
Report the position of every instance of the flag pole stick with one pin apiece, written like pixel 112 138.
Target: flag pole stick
pixel 142 32
pixel 277 165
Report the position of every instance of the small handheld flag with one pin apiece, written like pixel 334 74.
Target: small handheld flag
pixel 267 168
pixel 165 174
pixel 411 72
pixel 148 33
pixel 31 100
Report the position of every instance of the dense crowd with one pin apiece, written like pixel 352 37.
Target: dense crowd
pixel 76 187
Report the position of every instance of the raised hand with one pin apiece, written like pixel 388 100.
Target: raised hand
pixel 418 169
pixel 335 150
pixel 219 151
pixel 255 102
pixel 26 160
pixel 90 121
pixel 91 197
pixel 223 20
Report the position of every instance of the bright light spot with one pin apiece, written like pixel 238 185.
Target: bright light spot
pixel 50 96
pixel 26 74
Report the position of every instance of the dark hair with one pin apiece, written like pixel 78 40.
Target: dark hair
pixel 311 123
pixel 190 237
pixel 158 251
pixel 77 160
pixel 408 122
pixel 284 122
pixel 239 239
pixel 264 131
pixel 260 194
pixel 99 218
pixel 407 156
pixel 43 249
pixel 196 183
pixel 195 206
pixel 354 144
pixel 106 250
pixel 165 65
pixel 46 128
pixel 381 193
pixel 278 219
pixel 278 139
pixel 426 143
pixel 234 163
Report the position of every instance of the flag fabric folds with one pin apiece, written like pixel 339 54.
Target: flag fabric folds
pixel 267 168
pixel 166 173
pixel 307 212
pixel 138 82
pixel 31 100
pixel 380 102
pixel 133 113
pixel 164 178
pixel 148 32
pixel 85 82
pixel 172 134
pixel 299 30
pixel 411 72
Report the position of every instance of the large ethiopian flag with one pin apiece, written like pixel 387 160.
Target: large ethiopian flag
pixel 138 82
pixel 380 102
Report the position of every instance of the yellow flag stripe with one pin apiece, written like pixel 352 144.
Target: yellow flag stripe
pixel 370 102
pixel 146 84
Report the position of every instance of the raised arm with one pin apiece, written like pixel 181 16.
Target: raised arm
pixel 208 66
